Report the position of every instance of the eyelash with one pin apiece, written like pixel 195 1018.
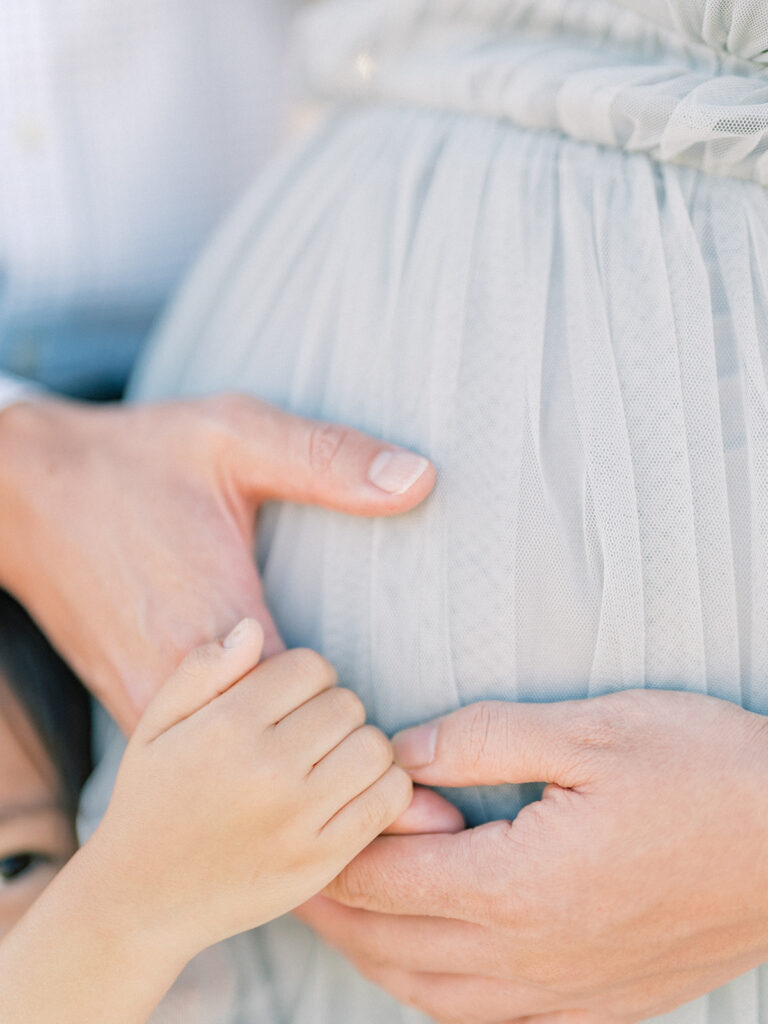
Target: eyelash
pixel 14 867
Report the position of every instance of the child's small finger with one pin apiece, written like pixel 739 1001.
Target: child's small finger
pixel 204 674
pixel 287 681
pixel 319 725
pixel 365 817
pixel 350 768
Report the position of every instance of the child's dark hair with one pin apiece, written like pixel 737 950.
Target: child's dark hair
pixel 55 702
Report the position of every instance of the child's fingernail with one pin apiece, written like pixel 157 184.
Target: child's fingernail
pixel 395 472
pixel 415 748
pixel 238 634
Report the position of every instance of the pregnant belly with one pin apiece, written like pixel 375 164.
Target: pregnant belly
pixel 577 338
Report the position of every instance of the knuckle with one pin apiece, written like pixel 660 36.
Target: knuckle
pixel 348 706
pixel 224 731
pixel 376 810
pixel 400 791
pixel 501 834
pixel 325 442
pixel 532 834
pixel 375 748
pixel 310 665
pixel 600 726
pixel 484 744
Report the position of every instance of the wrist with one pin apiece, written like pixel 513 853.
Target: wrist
pixel 123 917
pixel 132 903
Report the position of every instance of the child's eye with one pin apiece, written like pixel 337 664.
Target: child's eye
pixel 17 865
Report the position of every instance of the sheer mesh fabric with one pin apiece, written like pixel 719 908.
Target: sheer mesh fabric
pixel 737 28
pixel 683 82
pixel 532 242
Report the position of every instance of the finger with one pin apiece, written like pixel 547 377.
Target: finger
pixel 425 944
pixel 466 876
pixel 319 725
pixel 494 742
pixel 428 813
pixel 427 875
pixel 358 823
pixel 456 999
pixel 288 458
pixel 204 674
pixel 285 683
pixel 350 768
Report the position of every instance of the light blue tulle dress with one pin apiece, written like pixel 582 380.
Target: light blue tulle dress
pixel 531 240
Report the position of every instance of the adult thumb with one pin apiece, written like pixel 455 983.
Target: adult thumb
pixel 495 742
pixel 289 458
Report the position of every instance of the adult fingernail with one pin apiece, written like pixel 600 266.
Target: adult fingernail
pixel 238 635
pixel 395 472
pixel 415 748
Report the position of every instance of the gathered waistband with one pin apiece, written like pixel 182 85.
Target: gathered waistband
pixel 600 74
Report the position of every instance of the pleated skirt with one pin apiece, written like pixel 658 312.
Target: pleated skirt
pixel 578 338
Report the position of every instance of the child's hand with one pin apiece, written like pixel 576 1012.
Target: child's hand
pixel 243 791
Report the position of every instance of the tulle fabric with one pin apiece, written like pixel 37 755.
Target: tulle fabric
pixel 638 76
pixel 720 33
pixel 575 333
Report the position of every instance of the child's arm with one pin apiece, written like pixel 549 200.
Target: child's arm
pixel 243 792
pixel 78 955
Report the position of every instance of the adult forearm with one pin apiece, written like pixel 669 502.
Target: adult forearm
pixel 83 954
pixel 21 446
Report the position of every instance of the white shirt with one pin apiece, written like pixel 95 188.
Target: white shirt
pixel 127 127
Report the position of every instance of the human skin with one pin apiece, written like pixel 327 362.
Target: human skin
pixel 638 882
pixel 37 837
pixel 286 783
pixel 128 531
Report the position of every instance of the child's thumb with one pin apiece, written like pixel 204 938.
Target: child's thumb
pixel 202 676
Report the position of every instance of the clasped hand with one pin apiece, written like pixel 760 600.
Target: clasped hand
pixel 636 884
pixel 128 530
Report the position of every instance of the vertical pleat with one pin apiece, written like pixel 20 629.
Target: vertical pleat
pixel 740 235
pixel 619 647
pixel 690 306
pixel 646 347
pixel 578 339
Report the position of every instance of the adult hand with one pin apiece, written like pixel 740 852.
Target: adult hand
pixel 128 531
pixel 638 882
